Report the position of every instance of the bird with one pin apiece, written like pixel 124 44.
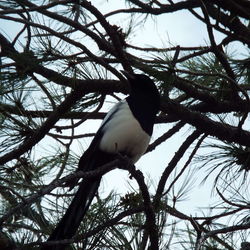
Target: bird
pixel 126 129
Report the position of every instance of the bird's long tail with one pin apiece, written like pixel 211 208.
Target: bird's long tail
pixel 71 220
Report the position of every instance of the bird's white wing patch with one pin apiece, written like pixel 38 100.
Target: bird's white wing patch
pixel 123 133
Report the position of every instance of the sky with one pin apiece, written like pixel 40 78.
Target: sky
pixel 179 28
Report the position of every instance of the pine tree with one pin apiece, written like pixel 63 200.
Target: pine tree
pixel 60 70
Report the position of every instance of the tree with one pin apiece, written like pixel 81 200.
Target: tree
pixel 60 63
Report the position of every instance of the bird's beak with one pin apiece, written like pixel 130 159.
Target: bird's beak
pixel 128 75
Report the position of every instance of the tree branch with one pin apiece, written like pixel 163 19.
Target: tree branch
pixel 222 131
pixel 172 164
pixel 88 86
pixel 38 135
pixel 56 183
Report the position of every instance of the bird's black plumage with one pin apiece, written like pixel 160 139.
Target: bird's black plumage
pixel 125 129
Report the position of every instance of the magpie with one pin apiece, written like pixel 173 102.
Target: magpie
pixel 126 130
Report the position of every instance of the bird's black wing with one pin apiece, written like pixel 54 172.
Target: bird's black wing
pixel 92 158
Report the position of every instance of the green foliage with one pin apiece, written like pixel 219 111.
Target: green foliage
pixel 51 49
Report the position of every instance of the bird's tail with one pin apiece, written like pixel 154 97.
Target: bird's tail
pixel 71 220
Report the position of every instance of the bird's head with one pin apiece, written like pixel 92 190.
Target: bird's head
pixel 142 85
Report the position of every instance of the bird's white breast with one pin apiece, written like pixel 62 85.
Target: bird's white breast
pixel 123 133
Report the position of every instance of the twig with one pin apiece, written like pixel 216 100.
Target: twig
pixel 231 203
pixel 172 164
pixel 148 206
pixel 165 136
pixel 56 183
pixel 112 32
pixel 187 163
pixel 38 135
pixel 92 232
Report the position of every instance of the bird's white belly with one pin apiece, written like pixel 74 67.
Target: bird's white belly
pixel 126 135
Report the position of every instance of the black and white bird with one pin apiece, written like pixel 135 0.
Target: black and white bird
pixel 126 129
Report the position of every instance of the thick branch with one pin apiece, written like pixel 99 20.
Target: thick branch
pixel 224 132
pixel 238 7
pixel 165 8
pixel 89 85
pixel 232 22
